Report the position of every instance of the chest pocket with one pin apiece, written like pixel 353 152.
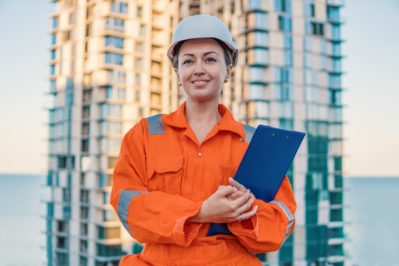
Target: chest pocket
pixel 165 174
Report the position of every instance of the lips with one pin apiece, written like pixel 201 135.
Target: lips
pixel 200 83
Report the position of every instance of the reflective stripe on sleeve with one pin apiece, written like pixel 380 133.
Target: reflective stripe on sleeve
pixel 125 198
pixel 287 213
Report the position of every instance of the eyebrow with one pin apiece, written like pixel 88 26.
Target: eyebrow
pixel 205 54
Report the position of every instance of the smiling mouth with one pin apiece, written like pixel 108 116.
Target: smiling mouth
pixel 200 83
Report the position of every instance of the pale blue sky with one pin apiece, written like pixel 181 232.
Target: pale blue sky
pixel 372 81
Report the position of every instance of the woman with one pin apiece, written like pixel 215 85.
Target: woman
pixel 172 179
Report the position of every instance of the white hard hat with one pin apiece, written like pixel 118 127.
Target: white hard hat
pixel 203 26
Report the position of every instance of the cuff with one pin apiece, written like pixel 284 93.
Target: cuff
pixel 247 227
pixel 184 233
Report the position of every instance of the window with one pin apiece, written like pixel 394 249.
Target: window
pixel 257 38
pixel 115 24
pixel 139 11
pixel 110 128
pixel 117 76
pixel 109 250
pixel 258 56
pixel 336 65
pixel 84 195
pixel 333 13
pixel 283 75
pixel 256 74
pixel 286 123
pixel 335 97
pixel 285 23
pixel 86 98
pixel 55 22
pixel 336 48
pixel 85 145
pixel 109 215
pixel 86 112
pixel 66 195
pixel 52 55
pixel 282 5
pixel 310 10
pixel 53 39
pixel 285 94
pixel 115 42
pixel 255 4
pixel 52 69
pixel 110 145
pixel 53 86
pixel 114 93
pixel 257 20
pixel 67 35
pixel 288 57
pixel 119 7
pixel 113 58
pixel 334 81
pixel 317 28
pixel 336 32
pixel 256 91
pixel 110 110
pixel 62 227
pixel 287 41
pixel 108 232
pixel 139 46
pixel 84 213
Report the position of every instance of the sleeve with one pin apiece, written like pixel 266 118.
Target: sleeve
pixel 150 217
pixel 274 221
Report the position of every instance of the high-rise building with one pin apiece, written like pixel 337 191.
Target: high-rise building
pixel 108 68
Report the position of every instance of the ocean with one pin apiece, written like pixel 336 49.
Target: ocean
pixel 371 213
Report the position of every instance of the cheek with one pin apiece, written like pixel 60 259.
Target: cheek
pixel 183 75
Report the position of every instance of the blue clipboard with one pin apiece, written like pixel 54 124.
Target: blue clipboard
pixel 265 164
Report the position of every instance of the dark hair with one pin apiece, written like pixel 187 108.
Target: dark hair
pixel 228 53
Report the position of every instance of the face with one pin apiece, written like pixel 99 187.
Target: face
pixel 202 69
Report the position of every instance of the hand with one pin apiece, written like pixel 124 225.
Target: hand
pixel 220 207
pixel 240 190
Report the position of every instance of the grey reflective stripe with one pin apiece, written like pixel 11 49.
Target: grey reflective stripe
pixel 249 132
pixel 123 205
pixel 287 212
pixel 155 125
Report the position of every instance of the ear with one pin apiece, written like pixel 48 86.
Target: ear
pixel 177 75
pixel 229 69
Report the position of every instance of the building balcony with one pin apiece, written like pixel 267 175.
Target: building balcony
pixel 335 2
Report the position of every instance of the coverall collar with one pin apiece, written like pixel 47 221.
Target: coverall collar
pixel 227 121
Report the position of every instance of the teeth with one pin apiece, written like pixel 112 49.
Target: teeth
pixel 200 83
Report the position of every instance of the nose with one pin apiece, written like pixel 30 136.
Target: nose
pixel 199 69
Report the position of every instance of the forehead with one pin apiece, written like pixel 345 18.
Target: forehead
pixel 200 46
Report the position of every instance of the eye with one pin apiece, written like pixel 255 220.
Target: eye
pixel 187 61
pixel 210 59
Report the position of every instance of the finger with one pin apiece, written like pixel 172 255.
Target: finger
pixel 242 199
pixel 235 195
pixel 226 190
pixel 249 214
pixel 246 206
pixel 237 185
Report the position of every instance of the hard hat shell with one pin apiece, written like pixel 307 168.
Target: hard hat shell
pixel 203 26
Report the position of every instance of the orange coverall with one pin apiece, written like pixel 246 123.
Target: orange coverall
pixel 163 175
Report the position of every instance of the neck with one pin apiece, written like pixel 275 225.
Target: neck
pixel 202 113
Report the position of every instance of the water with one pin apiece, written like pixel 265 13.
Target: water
pixel 374 216
pixel 20 223
pixel 372 211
